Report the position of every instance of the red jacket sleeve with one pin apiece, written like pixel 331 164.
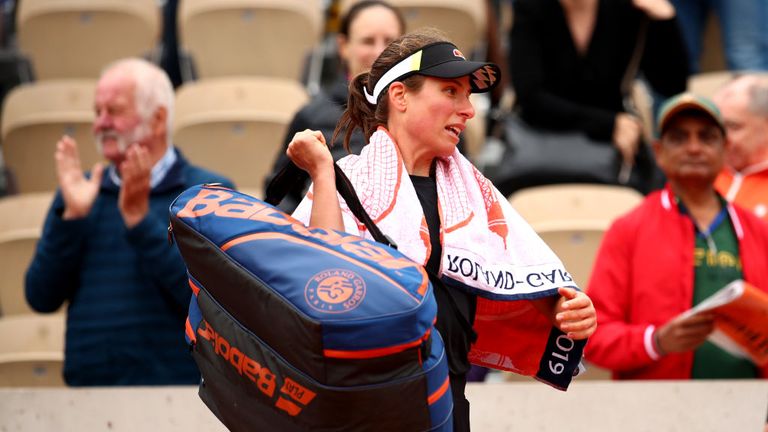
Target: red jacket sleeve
pixel 754 256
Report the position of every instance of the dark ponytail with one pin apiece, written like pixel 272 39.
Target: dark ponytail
pixel 359 113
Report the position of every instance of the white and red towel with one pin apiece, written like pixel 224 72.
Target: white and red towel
pixel 488 248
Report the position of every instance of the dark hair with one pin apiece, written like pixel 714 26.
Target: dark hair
pixel 361 114
pixel 357 8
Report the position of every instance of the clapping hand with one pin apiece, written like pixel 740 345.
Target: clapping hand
pixel 78 192
pixel 135 172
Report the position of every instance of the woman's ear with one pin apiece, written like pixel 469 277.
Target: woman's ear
pixel 341 42
pixel 396 93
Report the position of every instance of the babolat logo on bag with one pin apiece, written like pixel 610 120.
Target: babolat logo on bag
pixel 292 326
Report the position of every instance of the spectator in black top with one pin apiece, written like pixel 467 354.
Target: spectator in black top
pixel 568 59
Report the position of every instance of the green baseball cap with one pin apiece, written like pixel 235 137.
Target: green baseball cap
pixel 687 102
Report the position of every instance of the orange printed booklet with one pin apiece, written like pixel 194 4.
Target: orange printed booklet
pixel 741 320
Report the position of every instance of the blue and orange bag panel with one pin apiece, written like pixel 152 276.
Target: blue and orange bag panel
pixel 297 328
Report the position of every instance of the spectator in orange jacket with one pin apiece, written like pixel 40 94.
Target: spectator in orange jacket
pixel 678 247
pixel 744 181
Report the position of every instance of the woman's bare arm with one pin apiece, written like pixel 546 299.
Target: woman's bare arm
pixel 309 152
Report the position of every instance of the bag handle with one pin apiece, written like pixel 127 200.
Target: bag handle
pixel 634 62
pixel 626 87
pixel 282 182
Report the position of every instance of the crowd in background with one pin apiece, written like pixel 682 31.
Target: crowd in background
pixel 564 63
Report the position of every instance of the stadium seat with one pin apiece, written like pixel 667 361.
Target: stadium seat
pixel 78 38
pixel 32 352
pixel 34 118
pixel 235 126
pixel 249 37
pixel 575 243
pixel 21 222
pixel 574 201
pixel 464 21
pixel 708 83
pixel 572 218
pixel 254 192
pixel 474 135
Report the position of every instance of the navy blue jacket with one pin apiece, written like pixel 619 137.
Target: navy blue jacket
pixel 126 289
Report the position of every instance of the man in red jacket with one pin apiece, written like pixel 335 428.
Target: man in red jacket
pixel 674 250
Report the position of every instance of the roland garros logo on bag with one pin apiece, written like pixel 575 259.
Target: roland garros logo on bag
pixel 335 291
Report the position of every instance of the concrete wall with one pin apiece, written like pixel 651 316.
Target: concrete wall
pixel 593 406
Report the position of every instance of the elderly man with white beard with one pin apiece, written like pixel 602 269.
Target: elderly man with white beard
pixel 104 252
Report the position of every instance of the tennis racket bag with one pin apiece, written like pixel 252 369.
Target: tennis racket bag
pixel 298 329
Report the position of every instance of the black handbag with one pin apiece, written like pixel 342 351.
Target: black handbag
pixel 533 157
pixel 519 155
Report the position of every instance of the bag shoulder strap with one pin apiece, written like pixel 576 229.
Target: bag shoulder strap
pixel 634 62
pixel 347 191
